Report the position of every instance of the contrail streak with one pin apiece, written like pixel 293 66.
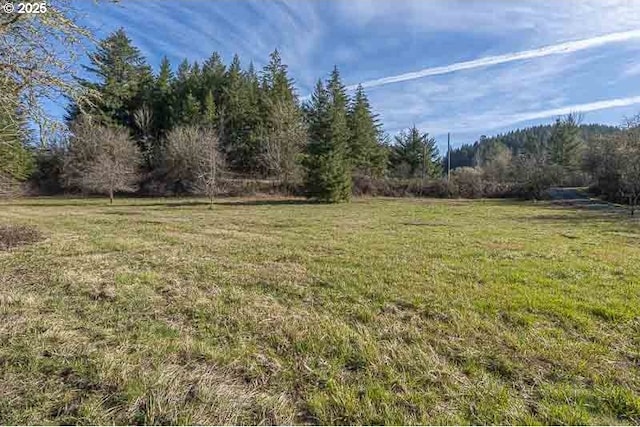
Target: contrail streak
pixel 556 49
pixel 495 121
pixel 582 108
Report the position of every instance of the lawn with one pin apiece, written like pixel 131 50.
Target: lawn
pixel 380 311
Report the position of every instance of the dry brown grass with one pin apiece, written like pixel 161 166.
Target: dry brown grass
pixel 12 236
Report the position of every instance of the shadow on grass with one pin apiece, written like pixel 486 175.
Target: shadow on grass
pixel 267 202
pixel 100 203
pixel 583 212
pixel 197 203
pixel 53 203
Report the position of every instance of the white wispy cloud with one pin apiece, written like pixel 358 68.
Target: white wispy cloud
pixel 544 22
pixel 556 49
pixel 632 69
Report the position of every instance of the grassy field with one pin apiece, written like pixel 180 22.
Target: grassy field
pixel 378 311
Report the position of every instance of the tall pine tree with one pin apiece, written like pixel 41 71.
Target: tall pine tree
pixel 213 77
pixel 276 82
pixel 163 114
pixel 232 116
pixel 565 143
pixel 209 111
pixel 123 81
pixel 366 153
pixel 328 173
pixel 252 119
pixel 283 128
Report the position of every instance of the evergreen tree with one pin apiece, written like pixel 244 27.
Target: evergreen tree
pixel 565 142
pixel 317 113
pixel 16 160
pixel 213 77
pixel 328 173
pixel 276 82
pixel 123 81
pixel 415 155
pixel 462 156
pixel 365 151
pixel 209 113
pixel 163 114
pixel 190 111
pixel 338 109
pixel 239 118
pixel 183 96
pixel 283 129
pixel 232 116
pixel 253 119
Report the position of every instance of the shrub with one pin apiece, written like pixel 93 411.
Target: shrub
pixel 391 187
pixel 467 183
pixel 47 177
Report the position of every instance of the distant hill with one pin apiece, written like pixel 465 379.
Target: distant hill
pixel 517 140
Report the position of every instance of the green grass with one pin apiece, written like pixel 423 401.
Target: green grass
pixel 376 312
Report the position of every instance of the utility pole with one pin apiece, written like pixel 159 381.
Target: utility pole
pixel 448 156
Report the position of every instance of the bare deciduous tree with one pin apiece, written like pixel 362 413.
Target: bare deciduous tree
pixel 143 118
pixel 614 161
pixel 101 159
pixel 533 171
pixel 39 54
pixel 194 160
pixel 629 163
pixel 283 143
pixel 80 148
pixel 116 167
pixel 211 163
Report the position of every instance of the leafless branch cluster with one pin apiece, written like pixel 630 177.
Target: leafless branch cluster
pixel 100 159
pixel 193 158
pixel 37 60
pixel 283 143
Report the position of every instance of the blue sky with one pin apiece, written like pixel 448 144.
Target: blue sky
pixel 525 62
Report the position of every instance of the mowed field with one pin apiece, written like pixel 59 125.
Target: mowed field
pixel 380 311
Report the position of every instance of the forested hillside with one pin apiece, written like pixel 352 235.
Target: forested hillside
pixel 518 141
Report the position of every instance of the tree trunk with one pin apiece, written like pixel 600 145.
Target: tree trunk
pixel 111 196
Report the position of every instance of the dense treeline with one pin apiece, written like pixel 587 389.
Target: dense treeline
pixel 263 129
pixel 518 141
pixel 566 153
pixel 197 127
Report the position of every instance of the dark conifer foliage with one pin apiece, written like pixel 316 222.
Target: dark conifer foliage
pixel 163 99
pixel 535 139
pixel 415 155
pixel 366 151
pixel 328 168
pixel 123 80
